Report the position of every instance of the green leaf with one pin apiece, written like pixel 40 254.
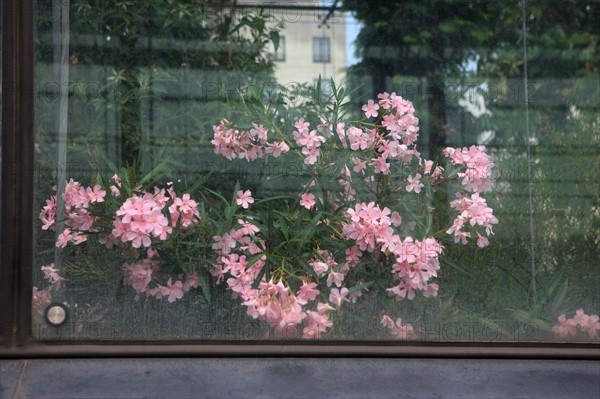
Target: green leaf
pixel 261 274
pixel 560 297
pixel 493 325
pixel 99 180
pixel 444 260
pixel 253 260
pixel 283 226
pixel 161 167
pixel 359 287
pixel 274 36
pixel 308 269
pixel 199 183
pixel 203 282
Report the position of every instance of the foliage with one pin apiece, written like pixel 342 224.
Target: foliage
pixel 359 215
pixel 127 54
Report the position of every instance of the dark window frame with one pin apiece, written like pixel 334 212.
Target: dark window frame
pixel 320 45
pixel 17 252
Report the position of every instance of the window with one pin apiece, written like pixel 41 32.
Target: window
pixel 321 49
pixel 183 188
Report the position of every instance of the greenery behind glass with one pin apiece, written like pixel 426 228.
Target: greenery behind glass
pixel 171 70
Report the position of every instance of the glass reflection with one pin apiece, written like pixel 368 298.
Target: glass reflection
pixel 221 171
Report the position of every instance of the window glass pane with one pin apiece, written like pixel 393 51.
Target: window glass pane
pixel 395 171
pixel 321 52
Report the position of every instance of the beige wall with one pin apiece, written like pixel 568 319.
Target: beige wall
pixel 300 26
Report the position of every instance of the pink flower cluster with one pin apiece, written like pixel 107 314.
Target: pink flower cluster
pixel 397 140
pixel 139 276
pixel 399 118
pixel 250 145
pixel 308 141
pixel 589 324
pixel 478 167
pixel 368 225
pixel 472 210
pixel 416 262
pixel 51 275
pixel 141 217
pixel 42 298
pixel 325 265
pixel 142 220
pixel 398 330
pixel 77 200
pixel 274 302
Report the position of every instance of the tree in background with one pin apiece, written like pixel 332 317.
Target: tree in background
pixel 440 39
pixel 131 39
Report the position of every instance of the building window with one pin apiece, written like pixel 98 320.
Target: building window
pixel 321 49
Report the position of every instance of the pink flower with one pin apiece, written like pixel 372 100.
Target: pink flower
pixel 336 296
pixel 367 223
pixel 335 278
pixel 319 267
pixel 581 318
pixel 191 281
pixel 311 154
pixel 317 324
pixel 414 184
pixel 565 327
pixel 474 210
pixel 387 321
pixel 482 241
pixel 138 275
pixel 359 166
pixel 396 219
pixel 48 214
pixel 224 244
pixel 301 125
pixel 276 149
pixel 431 290
pixel 96 194
pixel 592 327
pixel 52 276
pixel 308 292
pixel 309 139
pixel 116 179
pixel 307 200
pixel 64 238
pixel 478 166
pixel 398 330
pixel 587 323
pixel 137 238
pixel 384 100
pixel 244 198
pixel 41 299
pixel 381 166
pixel 370 109
pixel 173 291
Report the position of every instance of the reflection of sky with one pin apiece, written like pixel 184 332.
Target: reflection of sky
pixel 352 29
